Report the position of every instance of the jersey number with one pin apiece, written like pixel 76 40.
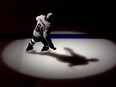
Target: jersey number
pixel 38 27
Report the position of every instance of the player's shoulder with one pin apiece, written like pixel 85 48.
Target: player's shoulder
pixel 40 17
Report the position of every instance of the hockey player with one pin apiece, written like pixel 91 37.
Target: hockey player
pixel 41 32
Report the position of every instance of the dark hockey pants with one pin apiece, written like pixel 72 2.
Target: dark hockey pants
pixel 45 41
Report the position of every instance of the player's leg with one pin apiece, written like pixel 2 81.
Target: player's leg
pixel 31 43
pixel 51 45
pixel 45 43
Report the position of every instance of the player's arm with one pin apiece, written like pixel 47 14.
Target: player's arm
pixel 45 33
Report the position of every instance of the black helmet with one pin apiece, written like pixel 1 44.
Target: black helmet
pixel 49 17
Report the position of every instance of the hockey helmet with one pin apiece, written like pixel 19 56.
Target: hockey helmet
pixel 49 17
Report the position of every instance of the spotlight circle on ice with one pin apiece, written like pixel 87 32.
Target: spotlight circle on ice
pixel 76 57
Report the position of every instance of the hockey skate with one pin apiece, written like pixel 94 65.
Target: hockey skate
pixel 54 48
pixel 29 48
pixel 45 48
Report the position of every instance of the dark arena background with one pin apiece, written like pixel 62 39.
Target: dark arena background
pixel 85 27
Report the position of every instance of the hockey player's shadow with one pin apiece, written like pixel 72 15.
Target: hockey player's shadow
pixel 74 59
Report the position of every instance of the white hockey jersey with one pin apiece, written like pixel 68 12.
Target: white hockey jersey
pixel 42 27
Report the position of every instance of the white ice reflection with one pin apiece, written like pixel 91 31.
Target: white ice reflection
pixel 54 65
